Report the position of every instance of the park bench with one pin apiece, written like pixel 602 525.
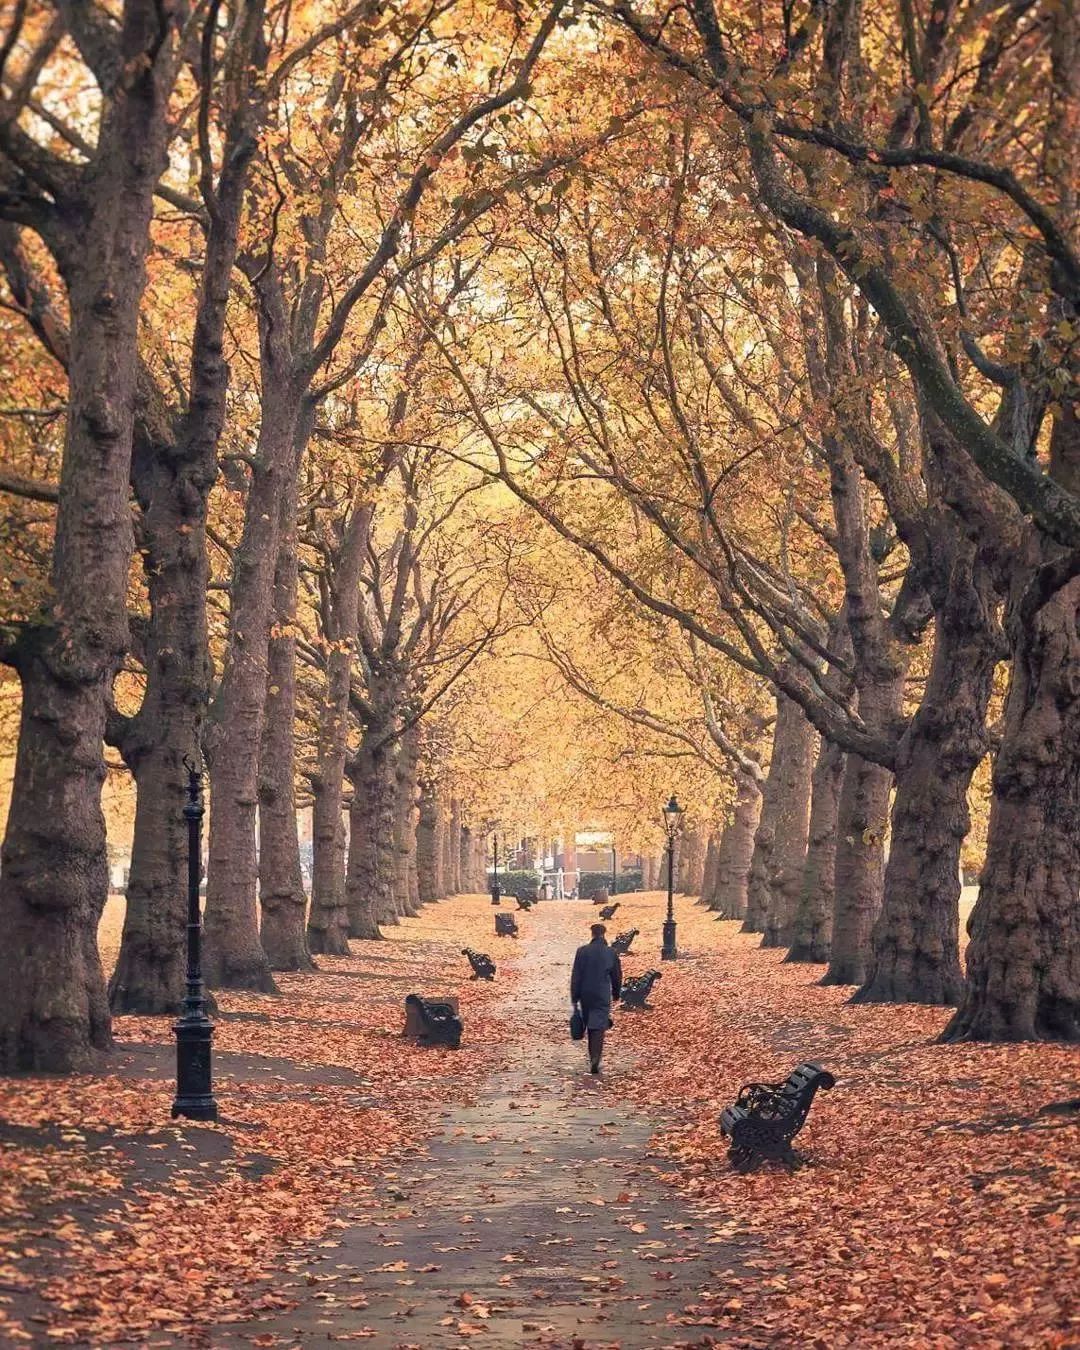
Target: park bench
pixel 600 897
pixel 525 902
pixel 506 925
pixel 608 912
pixel 766 1117
pixel 483 966
pixel 621 945
pixel 636 991
pixel 432 1021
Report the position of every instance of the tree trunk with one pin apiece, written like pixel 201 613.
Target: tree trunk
pixel 149 975
pixel 915 950
pixel 54 1015
pixel 440 848
pixel 860 842
pixel 174 466
pixel 811 930
pixel 328 922
pixel 454 885
pixel 233 956
pixel 684 851
pixel 426 844
pixel 281 880
pixel 708 874
pixel 405 822
pixel 690 862
pixel 328 916
pixel 466 861
pixel 1023 960
pixel 780 842
pixel 736 850
pixel 370 879
pixel 413 878
pixel 150 969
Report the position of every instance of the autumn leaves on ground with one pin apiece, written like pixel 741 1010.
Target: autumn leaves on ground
pixel 933 1210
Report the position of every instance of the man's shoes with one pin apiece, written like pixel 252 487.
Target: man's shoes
pixel 594 1067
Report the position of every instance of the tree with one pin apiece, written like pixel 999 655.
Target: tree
pixel 302 321
pixel 94 216
pixel 979 190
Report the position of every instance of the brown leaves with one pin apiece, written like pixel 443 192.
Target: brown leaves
pixel 932 1212
pixel 200 1214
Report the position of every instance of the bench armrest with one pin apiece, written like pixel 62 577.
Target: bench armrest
pixel 753 1095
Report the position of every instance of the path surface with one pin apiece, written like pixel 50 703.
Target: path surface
pixel 536 1219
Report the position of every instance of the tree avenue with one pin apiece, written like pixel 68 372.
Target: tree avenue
pixel 483 418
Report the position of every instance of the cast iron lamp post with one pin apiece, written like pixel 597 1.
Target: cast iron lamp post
pixel 614 869
pixel 194 1030
pixel 495 892
pixel 672 820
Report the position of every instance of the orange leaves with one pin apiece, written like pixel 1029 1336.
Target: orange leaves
pixel 931 1210
pixel 318 1094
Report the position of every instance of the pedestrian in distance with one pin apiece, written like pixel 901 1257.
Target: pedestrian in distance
pixel 595 983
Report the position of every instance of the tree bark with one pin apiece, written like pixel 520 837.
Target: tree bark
pixel 454 884
pixel 234 957
pixel 708 874
pixel 328 915
pixel 54 879
pixel 370 878
pixel 440 848
pixel 172 485
pixel 174 467
pixel 328 922
pixel 915 949
pixel 281 881
pixel 860 841
pixel 467 853
pixel 780 841
pixel 736 850
pixel 690 862
pixel 811 930
pixel 405 823
pixel 1023 960
pixel 426 844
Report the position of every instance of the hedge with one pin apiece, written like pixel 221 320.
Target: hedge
pixel 595 881
pixel 517 884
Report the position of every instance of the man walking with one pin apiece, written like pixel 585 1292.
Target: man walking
pixel 595 983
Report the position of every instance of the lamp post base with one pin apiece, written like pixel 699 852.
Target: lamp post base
pixel 669 951
pixel 194 1091
pixel 495 896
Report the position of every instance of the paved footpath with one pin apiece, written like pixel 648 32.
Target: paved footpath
pixel 535 1219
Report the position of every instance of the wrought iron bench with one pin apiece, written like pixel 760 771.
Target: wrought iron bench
pixel 636 991
pixel 525 902
pixel 432 1021
pixel 608 912
pixel 621 945
pixel 766 1117
pixel 506 925
pixel 483 966
pixel 600 897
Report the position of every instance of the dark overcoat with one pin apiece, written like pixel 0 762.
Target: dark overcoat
pixel 596 981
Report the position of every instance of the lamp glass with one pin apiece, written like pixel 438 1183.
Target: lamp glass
pixel 672 815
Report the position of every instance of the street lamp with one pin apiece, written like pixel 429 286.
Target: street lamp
pixel 614 869
pixel 495 892
pixel 194 1030
pixel 673 813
